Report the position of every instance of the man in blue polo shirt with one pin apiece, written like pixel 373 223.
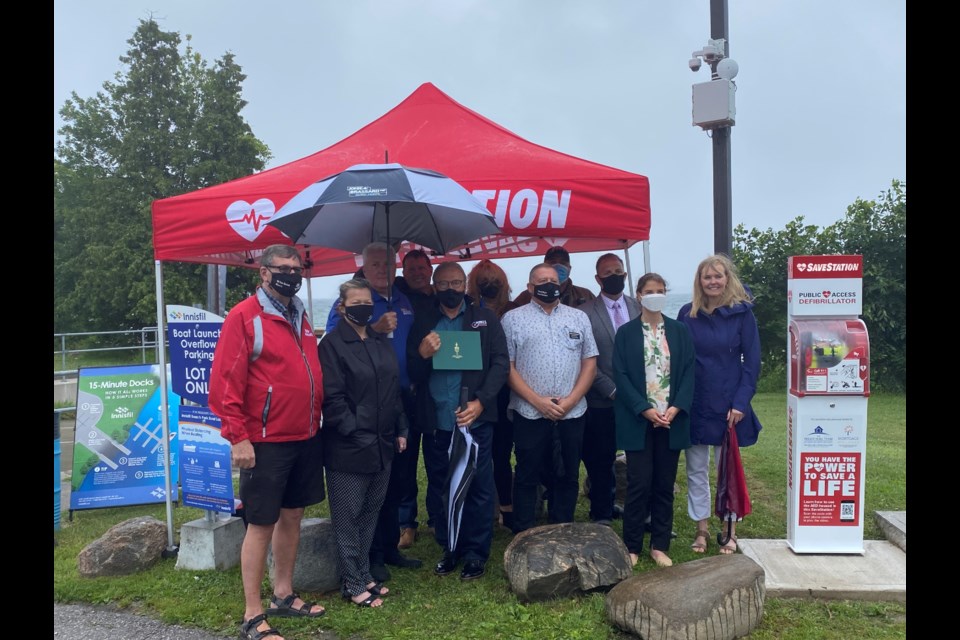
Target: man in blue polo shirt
pixel 393 318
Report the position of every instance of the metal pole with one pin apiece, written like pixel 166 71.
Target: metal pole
pixel 722 198
pixel 222 290
pixel 171 549
pixel 308 265
pixel 626 261
pixel 212 288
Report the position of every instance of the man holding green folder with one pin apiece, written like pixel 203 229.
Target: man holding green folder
pixel 458 345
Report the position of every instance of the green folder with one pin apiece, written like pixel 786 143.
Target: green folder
pixel 459 350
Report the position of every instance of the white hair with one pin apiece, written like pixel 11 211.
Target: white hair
pixel 378 246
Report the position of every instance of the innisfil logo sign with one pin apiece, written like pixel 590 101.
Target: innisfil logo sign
pixel 249 220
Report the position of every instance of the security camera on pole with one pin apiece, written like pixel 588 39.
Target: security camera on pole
pixel 713 102
pixel 714 112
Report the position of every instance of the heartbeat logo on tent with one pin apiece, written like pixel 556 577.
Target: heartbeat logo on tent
pixel 249 220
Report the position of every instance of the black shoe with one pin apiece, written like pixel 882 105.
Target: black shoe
pixel 473 569
pixel 617 512
pixel 403 562
pixel 446 565
pixel 507 517
pixel 379 572
pixel 602 521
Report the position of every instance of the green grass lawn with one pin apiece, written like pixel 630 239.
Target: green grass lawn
pixel 424 606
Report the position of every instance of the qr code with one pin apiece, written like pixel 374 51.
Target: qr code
pixel 846 510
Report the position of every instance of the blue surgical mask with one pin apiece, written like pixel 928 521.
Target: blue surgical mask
pixel 563 272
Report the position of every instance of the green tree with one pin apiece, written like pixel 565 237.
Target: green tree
pixel 877 230
pixel 874 229
pixel 761 257
pixel 168 124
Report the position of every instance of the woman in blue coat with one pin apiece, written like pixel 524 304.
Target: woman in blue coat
pixel 727 343
pixel 653 369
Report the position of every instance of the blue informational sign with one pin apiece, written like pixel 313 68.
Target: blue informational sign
pixel 119 446
pixel 192 335
pixel 205 478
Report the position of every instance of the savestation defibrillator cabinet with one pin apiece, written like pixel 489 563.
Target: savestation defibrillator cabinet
pixel 828 382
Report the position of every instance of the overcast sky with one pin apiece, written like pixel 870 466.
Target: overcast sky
pixel 820 102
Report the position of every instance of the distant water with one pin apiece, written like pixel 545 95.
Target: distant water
pixel 321 307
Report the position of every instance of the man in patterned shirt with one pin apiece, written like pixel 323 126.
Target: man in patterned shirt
pixel 553 358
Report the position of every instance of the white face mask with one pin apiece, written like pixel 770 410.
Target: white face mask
pixel 654 302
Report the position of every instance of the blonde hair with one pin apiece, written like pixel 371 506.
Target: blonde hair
pixel 488 270
pixel 733 294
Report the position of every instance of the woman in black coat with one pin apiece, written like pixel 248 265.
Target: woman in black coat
pixel 363 425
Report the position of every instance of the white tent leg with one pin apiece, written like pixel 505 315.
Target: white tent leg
pixel 310 303
pixel 171 549
pixel 626 260
pixel 646 256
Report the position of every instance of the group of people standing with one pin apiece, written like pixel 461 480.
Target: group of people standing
pixel 564 375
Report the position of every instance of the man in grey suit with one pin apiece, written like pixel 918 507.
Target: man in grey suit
pixel 607 313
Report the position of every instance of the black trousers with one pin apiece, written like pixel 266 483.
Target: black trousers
pixel 355 500
pixel 651 474
pixel 502 449
pixel 387 535
pixel 534 440
pixel 599 454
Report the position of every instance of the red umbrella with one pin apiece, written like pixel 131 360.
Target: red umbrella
pixel 733 499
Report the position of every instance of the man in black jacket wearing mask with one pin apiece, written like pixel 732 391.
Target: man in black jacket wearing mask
pixel 438 399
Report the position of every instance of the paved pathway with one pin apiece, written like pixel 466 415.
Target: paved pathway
pixel 85 622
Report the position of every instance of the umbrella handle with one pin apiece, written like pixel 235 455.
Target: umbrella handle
pixel 721 539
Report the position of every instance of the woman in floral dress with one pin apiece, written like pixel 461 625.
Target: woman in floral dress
pixel 653 365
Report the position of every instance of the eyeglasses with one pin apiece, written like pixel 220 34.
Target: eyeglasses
pixel 285 269
pixel 443 285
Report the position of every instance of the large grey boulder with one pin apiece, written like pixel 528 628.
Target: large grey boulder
pixel 715 598
pixel 128 547
pixel 316 567
pixel 563 560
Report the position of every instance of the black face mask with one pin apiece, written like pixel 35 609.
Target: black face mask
pixel 546 292
pixel 286 284
pixel 449 298
pixel 613 284
pixel 359 314
pixel 489 289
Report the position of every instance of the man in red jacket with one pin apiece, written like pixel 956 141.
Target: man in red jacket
pixel 267 389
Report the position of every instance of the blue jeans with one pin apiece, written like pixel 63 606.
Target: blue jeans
pixel 476 524
pixel 407 463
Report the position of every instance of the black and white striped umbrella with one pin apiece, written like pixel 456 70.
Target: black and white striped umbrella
pixel 384 203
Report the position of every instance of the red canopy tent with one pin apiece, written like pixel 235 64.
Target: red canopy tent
pixel 540 197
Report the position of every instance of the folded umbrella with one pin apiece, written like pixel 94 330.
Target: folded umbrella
pixel 732 500
pixel 463 466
